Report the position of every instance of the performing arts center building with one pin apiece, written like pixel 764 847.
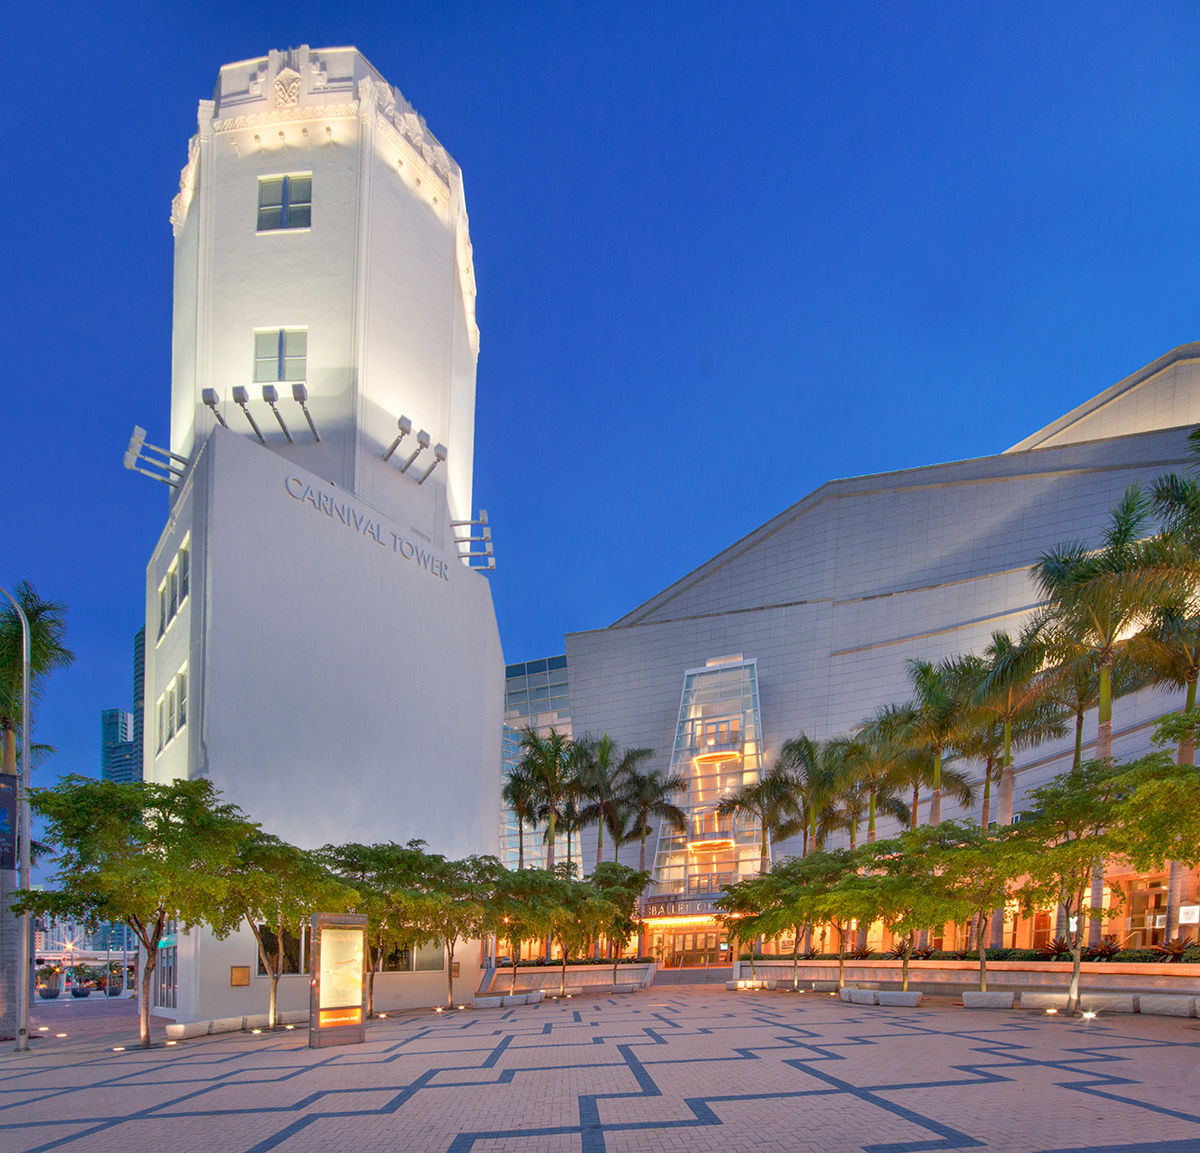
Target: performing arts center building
pixel 806 625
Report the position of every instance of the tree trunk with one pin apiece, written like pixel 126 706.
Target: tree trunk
pixel 600 839
pixel 1185 756
pixel 983 922
pixel 520 843
pixel 514 953
pixel 904 963
pixel 550 845
pixel 795 958
pixel 1104 735
pixel 985 814
pixel 1096 921
pixel 935 802
pixel 1078 761
pixel 562 988
pixel 449 973
pixel 642 856
pixel 147 987
pixel 871 819
pixel 1076 954
pixel 841 957
pixel 916 800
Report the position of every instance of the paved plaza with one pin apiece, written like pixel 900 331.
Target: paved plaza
pixel 690 1069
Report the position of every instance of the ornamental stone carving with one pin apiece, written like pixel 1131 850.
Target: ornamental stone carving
pixel 287 88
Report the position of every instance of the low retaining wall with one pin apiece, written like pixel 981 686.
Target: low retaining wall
pixel 549 977
pixel 181 1031
pixel 952 977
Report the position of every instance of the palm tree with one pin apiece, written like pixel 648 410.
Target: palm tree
pixel 548 762
pixel 47 653
pixel 519 793
pixel 917 772
pixel 603 771
pixel 772 801
pixel 872 763
pixel 1010 684
pixel 1100 600
pixel 938 713
pixel 649 795
pixel 813 776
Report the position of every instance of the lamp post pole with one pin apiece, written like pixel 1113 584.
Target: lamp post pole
pixel 23 830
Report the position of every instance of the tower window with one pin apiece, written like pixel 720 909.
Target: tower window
pixel 280 354
pixel 284 202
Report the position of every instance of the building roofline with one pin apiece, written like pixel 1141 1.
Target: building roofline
pixel 1182 353
pixel 916 476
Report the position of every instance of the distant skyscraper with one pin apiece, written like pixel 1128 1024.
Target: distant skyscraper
pixel 139 700
pixel 116 745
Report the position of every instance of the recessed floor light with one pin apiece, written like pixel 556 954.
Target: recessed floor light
pixel 60 1034
pixel 119 1049
pixel 172 1042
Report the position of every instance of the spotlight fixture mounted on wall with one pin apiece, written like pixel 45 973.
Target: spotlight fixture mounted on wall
pixel 163 465
pixel 212 398
pixel 439 454
pixel 300 396
pixel 242 398
pixel 422 444
pixel 487 562
pixel 405 427
pixel 271 396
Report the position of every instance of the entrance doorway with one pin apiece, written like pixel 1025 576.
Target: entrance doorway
pixel 704 948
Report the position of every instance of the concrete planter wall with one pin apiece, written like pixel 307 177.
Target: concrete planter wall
pixel 549 977
pixel 956 976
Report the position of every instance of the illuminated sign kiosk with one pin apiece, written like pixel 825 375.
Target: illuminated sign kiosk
pixel 337 1010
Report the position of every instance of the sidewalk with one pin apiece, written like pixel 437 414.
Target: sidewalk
pixel 90 1023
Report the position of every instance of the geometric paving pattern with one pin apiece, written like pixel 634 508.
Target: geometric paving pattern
pixel 689 1069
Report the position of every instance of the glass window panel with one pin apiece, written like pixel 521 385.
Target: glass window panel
pixel 295 343
pixel 270 192
pixel 266 345
pixel 172 594
pixel 266 371
pixel 293 368
pixel 299 216
pixel 269 218
pixel 182 699
pixel 183 574
pixel 299 190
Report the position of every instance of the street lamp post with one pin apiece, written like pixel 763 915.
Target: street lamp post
pixel 23 831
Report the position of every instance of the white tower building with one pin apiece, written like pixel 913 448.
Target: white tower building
pixel 314 644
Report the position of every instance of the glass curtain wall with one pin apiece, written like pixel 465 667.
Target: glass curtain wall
pixel 718 748
pixel 535 693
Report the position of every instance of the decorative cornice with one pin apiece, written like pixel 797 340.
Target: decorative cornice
pixel 286 115
pixel 187 186
pixel 413 155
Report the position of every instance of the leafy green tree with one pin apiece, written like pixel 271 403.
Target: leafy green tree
pixel 455 908
pixel 522 908
pixel 141 854
pixel 47 654
pixel 620 886
pixel 391 885
pixel 772 802
pixel 276 888
pixel 1058 844
pixel 579 913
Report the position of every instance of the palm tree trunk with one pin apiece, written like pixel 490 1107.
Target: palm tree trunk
pixel 935 802
pixel 916 801
pixel 642 855
pixel 764 866
pixel 985 814
pixel 1104 735
pixel 520 843
pixel 871 819
pixel 600 839
pixel 1078 761
pixel 1186 756
pixel 550 845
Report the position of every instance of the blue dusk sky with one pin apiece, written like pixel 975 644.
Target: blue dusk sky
pixel 725 252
